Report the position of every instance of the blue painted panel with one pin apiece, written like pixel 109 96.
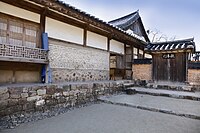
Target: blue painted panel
pixel 45 46
pixel 45 42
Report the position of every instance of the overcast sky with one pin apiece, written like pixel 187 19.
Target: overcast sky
pixel 180 18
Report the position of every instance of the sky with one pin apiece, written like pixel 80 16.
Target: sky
pixel 179 19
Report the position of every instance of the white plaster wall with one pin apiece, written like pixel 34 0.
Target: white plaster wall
pixel 116 46
pixel 63 31
pixel 18 12
pixel 96 40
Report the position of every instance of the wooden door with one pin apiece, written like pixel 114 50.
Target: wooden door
pixel 169 67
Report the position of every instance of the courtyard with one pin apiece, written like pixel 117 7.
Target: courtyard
pixel 113 117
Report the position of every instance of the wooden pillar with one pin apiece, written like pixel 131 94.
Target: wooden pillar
pixel 124 75
pixel 42 23
pixel 143 54
pixel 85 37
pixel 131 61
pixel 108 44
pixel 138 53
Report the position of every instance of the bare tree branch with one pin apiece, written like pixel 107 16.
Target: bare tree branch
pixel 157 36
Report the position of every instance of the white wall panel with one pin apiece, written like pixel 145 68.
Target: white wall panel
pixel 116 46
pixel 18 12
pixel 96 40
pixel 63 31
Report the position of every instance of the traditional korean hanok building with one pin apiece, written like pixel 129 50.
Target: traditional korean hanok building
pixel 170 60
pixel 132 24
pixel 50 41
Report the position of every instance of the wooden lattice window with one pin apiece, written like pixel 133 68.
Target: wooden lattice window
pixel 16 31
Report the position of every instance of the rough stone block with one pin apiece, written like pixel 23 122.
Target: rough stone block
pixel 22 101
pixel 51 89
pixel 3 104
pixel 66 93
pixel 66 87
pixel 13 109
pixel 4 96
pixel 25 90
pixel 12 102
pixel 32 93
pixel 34 98
pixel 24 95
pixel 16 96
pixel 40 102
pixel 41 92
pixel 73 87
pixel 51 102
pixel 57 95
pixel 29 106
pixel 61 100
pixel 33 88
pixel 3 90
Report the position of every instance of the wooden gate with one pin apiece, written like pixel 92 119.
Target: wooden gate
pixel 169 67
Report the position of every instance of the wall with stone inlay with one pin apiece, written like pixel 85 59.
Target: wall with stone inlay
pixel 194 76
pixel 70 62
pixel 142 71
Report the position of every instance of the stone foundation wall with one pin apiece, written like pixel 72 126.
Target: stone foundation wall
pixel 63 75
pixel 142 71
pixel 71 62
pixel 42 97
pixel 194 76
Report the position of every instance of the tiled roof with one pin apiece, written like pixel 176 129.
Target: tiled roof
pixel 171 46
pixel 125 21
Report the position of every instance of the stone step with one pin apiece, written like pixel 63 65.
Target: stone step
pixel 127 85
pixel 178 107
pixel 175 87
pixel 167 93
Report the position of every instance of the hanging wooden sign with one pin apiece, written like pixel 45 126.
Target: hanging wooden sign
pixel 168 56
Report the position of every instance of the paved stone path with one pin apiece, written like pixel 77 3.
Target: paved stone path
pixel 180 107
pixel 169 93
pixel 107 118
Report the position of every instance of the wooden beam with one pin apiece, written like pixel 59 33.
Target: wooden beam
pixel 65 19
pixel 24 5
pixel 18 59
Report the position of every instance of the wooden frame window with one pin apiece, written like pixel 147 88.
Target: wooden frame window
pixel 16 31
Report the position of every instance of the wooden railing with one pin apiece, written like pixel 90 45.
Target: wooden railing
pixel 23 54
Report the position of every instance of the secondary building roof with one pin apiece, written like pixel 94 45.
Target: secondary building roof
pixel 186 45
pixel 131 21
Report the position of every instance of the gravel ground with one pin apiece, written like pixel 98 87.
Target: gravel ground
pixel 107 118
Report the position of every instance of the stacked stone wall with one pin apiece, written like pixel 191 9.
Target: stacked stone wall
pixel 70 62
pixel 14 100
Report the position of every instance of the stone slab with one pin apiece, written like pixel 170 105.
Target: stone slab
pixel 168 93
pixel 180 107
